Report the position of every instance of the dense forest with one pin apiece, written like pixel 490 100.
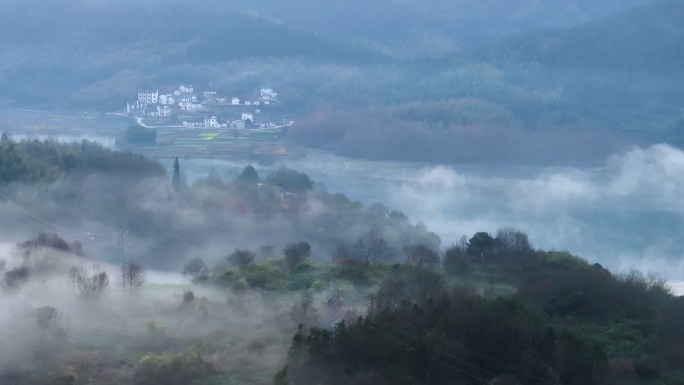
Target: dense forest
pixel 561 321
pixel 34 161
pixel 292 284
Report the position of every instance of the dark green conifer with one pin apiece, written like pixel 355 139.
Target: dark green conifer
pixel 176 179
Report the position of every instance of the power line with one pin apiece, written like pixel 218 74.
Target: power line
pixel 493 360
pixel 121 246
pixel 43 227
pixel 82 235
pixel 28 220
pixel 437 359
pixel 46 223
pixel 474 366
pixel 26 212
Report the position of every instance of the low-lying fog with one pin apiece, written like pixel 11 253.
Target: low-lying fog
pixel 625 214
pixel 249 332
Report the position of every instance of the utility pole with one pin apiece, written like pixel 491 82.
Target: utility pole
pixel 121 248
pixel 120 243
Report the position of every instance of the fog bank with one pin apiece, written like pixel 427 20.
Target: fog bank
pixel 624 214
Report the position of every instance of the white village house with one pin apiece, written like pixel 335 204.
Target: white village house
pixel 148 96
pixel 267 94
pixel 166 105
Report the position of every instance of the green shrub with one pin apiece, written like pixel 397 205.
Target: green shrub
pixel 302 277
pixel 560 260
pixel 355 275
pixel 67 377
pixel 137 134
pixel 264 277
pixel 172 369
pixel 155 329
pixel 224 278
pixel 617 339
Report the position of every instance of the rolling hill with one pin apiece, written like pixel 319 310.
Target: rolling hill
pixel 646 39
pixel 47 58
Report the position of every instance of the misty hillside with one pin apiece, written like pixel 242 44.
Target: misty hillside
pixel 350 192
pixel 414 28
pixel 121 47
pixel 535 83
pixel 104 186
pixel 169 34
pixel 118 47
pixel 649 38
pixel 112 273
pixel 274 280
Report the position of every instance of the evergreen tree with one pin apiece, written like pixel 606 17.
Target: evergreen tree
pixel 296 253
pixel 249 174
pixel 176 179
pixel 281 377
pixel 214 179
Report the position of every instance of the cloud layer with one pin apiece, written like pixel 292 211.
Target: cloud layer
pixel 626 214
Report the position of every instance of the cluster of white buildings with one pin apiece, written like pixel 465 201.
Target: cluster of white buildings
pixel 153 104
pixel 246 120
pixel 267 96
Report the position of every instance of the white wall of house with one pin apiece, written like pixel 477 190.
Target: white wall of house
pixel 268 94
pixel 186 89
pixel 148 96
pixel 211 122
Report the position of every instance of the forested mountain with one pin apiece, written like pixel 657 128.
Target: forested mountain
pixel 605 83
pixel 408 28
pixel 644 39
pixel 263 275
pixel 114 48
pixel 433 81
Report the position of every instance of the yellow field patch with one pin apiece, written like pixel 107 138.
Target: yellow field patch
pixel 208 136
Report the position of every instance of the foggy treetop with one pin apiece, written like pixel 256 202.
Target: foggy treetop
pixel 84 183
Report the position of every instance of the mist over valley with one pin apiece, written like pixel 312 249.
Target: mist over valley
pixel 350 193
